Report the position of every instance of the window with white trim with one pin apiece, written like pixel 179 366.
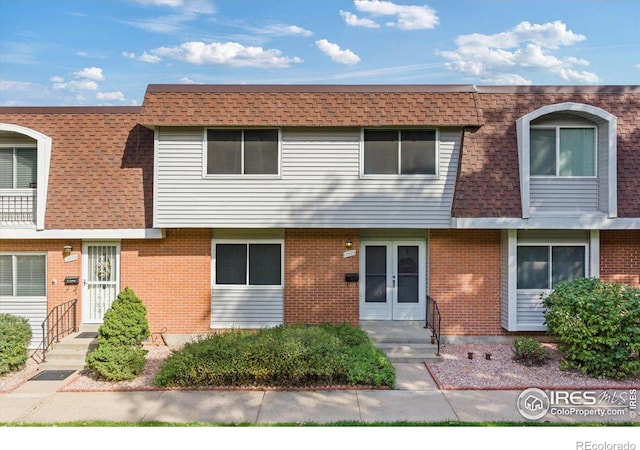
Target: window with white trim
pixel 243 152
pixel 248 264
pixel 563 151
pixel 23 275
pixel 400 152
pixel 18 168
pixel 542 267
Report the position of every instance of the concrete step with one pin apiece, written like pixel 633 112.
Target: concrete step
pixel 412 353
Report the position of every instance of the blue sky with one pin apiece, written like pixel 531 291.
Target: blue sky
pixel 90 52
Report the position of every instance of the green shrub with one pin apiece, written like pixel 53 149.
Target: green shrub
pixel 117 362
pixel 125 323
pixel 119 355
pixel 287 356
pixel 529 352
pixel 15 335
pixel 597 325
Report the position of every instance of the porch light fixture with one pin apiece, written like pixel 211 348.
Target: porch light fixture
pixel 348 244
pixel 67 250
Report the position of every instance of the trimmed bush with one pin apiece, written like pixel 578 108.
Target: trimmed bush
pixel 15 335
pixel 286 356
pixel 125 323
pixel 529 352
pixel 119 355
pixel 597 325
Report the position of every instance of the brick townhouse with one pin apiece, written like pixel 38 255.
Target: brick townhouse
pixel 252 206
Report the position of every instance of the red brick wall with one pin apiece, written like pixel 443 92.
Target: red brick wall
pixel 464 279
pixel 620 256
pixel 57 269
pixel 172 276
pixel 315 290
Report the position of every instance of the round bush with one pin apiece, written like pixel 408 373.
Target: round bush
pixel 125 323
pixel 117 362
pixel 15 335
pixel 597 325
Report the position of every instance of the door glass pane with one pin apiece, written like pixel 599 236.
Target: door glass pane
pixel 6 168
pixel 264 264
pixel 27 168
pixel 577 152
pixel 261 152
pixel 375 274
pixel 408 274
pixel 542 153
pixel 418 152
pixel 224 152
pixel 567 263
pixel 6 275
pixel 380 152
pixel 231 264
pixel 533 267
pixel 30 278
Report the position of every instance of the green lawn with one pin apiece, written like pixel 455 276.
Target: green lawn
pixel 284 356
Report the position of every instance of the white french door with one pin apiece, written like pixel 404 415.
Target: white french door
pixel 101 275
pixel 392 280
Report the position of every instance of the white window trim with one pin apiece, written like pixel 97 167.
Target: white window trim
pixel 435 176
pixel 592 266
pixel 523 128
pixel 43 145
pixel 241 175
pixel 14 274
pixel 246 242
pixel 557 129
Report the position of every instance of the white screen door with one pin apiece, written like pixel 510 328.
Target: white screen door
pixel 392 280
pixel 101 267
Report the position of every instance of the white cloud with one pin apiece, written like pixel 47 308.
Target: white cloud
pixel 171 3
pixel 91 73
pixel 526 47
pixel 336 53
pixel 129 55
pixel 407 17
pixel 637 66
pixel 187 80
pixel 283 30
pixel 9 85
pixel 228 53
pixel 115 95
pixel 355 21
pixel 183 11
pixel 76 85
pixel 146 57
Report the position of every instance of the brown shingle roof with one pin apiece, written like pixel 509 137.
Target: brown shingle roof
pixel 308 105
pixel 488 184
pixel 101 171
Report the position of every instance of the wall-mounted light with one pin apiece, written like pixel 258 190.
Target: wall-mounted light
pixel 67 250
pixel 348 244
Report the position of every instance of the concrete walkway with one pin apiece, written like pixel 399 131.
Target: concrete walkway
pixel 416 398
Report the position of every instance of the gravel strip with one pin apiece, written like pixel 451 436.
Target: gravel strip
pixel 456 372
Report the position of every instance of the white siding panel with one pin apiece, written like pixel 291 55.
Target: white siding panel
pixel 247 307
pixel 33 309
pixel 530 312
pixel 319 186
pixel 563 195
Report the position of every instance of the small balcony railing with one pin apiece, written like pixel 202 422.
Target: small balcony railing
pixel 17 207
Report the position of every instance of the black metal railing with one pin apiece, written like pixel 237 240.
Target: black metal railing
pixel 433 322
pixel 60 322
pixel 17 207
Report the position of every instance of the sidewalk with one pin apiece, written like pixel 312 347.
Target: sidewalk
pixel 416 399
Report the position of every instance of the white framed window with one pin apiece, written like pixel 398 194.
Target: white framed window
pixel 242 152
pixel 18 167
pixel 563 151
pixel 399 152
pixel 542 267
pixel 23 275
pixel 247 263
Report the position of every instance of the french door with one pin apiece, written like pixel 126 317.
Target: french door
pixel 101 275
pixel 392 280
